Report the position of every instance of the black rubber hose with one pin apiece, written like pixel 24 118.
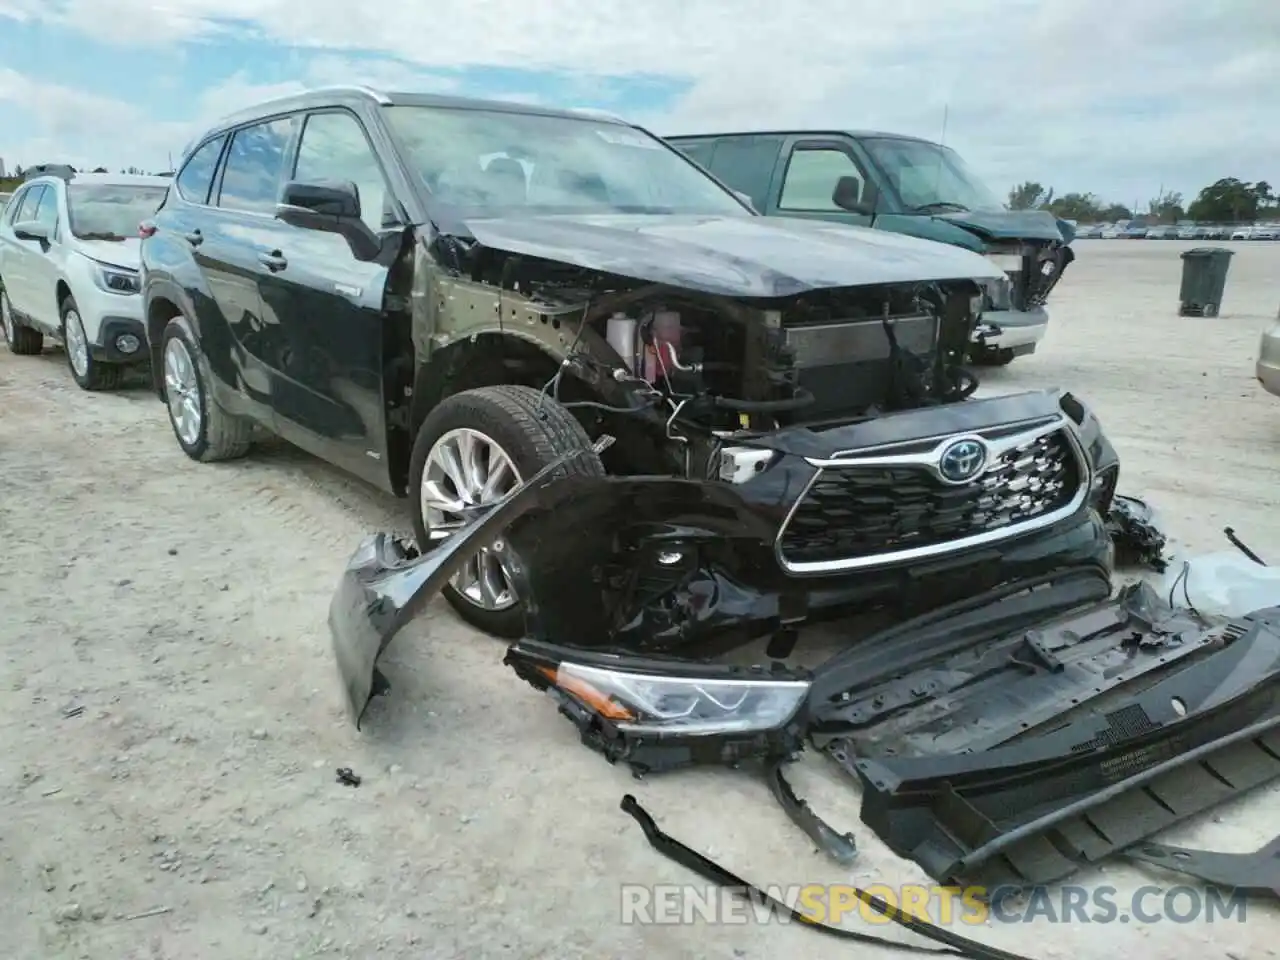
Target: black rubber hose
pixel 802 399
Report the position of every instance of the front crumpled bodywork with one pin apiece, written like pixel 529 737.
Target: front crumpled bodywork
pixel 657 567
pixel 1135 530
pixel 1011 224
pixel 748 256
pixel 1005 739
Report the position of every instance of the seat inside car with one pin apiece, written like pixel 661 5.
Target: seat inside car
pixel 504 180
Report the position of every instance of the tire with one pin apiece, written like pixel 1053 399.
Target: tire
pixel 532 431
pixel 95 374
pixel 217 435
pixel 23 341
pixel 991 357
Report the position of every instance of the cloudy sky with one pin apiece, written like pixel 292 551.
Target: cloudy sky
pixel 1097 95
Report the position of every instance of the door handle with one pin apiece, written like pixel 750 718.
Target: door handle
pixel 195 238
pixel 273 261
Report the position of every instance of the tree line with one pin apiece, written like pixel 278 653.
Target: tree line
pixel 1225 201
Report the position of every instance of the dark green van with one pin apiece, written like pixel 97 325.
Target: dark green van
pixel 910 186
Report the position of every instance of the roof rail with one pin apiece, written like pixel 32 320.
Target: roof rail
pixel 597 114
pixel 377 95
pixel 255 108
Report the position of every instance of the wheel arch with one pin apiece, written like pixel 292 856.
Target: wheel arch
pixel 488 359
pixel 61 293
pixel 162 302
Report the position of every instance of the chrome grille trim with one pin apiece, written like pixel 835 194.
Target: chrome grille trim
pixel 997 447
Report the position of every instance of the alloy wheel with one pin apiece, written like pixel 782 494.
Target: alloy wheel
pixel 77 343
pixel 6 317
pixel 182 391
pixel 466 469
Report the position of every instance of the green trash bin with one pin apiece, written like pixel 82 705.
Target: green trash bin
pixel 1204 280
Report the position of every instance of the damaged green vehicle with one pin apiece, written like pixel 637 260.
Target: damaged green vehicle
pixel 910 186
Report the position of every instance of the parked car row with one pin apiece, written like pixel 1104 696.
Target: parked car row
pixel 1139 231
pixel 448 297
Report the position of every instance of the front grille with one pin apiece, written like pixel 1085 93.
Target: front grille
pixel 878 511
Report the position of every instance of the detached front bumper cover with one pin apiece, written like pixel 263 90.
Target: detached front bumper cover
pixel 387 583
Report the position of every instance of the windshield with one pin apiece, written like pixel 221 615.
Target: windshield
pixel 110 211
pixel 928 175
pixel 490 163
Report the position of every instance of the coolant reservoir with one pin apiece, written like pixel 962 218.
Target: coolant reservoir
pixel 621 334
pixel 666 329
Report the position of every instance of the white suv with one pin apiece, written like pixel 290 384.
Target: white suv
pixel 69 270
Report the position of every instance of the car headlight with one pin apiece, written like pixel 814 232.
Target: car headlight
pixel 692 706
pixel 1104 488
pixel 116 280
pixel 1008 262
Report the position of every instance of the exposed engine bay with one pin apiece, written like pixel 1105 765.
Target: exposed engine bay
pixel 675 373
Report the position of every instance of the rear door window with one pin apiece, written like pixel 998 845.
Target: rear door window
pixel 254 171
pixel 746 164
pixel 196 177
pixel 699 153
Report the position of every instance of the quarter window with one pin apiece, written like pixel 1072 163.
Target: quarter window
pixel 812 176
pixel 197 174
pixel 334 147
pixel 254 170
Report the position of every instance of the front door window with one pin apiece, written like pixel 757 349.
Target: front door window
pixel 811 178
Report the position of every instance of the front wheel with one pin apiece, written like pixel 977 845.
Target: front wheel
pixel 88 373
pixel 473 449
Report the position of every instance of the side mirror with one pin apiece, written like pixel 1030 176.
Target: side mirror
pixel 848 196
pixel 331 206
pixel 31 230
pixel 747 200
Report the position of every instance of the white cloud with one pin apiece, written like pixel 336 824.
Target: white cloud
pixel 83 129
pixel 1090 95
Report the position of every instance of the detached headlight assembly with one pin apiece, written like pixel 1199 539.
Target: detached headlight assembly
pixel 690 706
pixel 1008 262
pixel 116 279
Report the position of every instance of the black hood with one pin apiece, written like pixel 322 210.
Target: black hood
pixel 746 256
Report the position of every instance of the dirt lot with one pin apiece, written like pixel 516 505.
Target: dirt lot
pixel 181 608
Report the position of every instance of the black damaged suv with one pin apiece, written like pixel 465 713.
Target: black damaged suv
pixel 445 296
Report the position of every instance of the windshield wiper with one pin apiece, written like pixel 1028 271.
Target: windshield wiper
pixel 101 236
pixel 940 205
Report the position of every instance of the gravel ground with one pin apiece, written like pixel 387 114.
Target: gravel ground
pixel 172 722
